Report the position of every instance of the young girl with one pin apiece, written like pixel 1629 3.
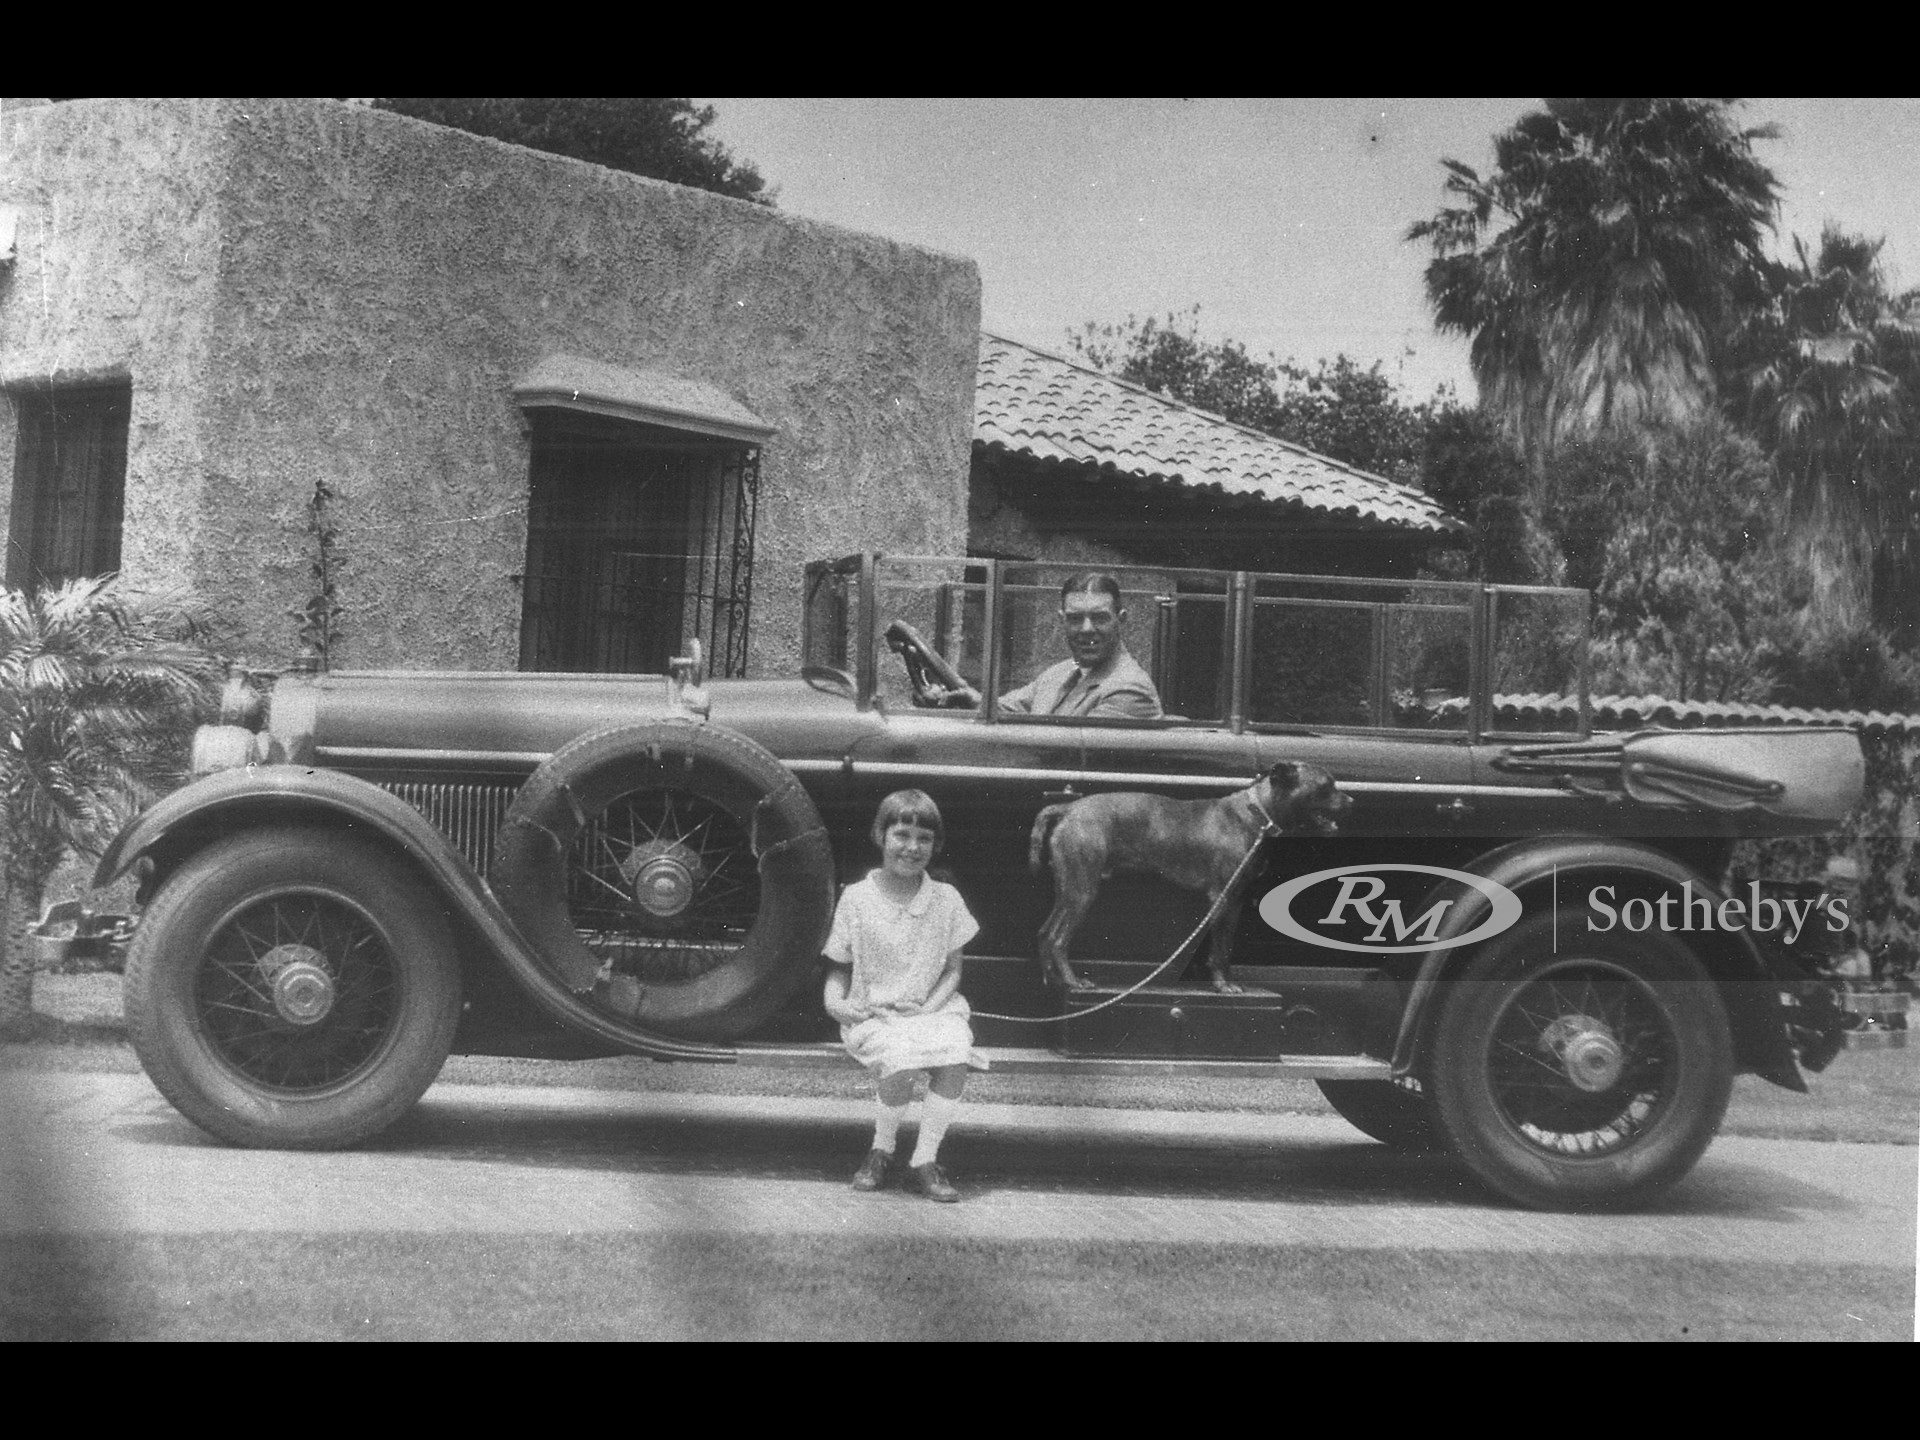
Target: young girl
pixel 895 988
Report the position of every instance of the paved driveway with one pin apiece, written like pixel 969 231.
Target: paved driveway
pixel 558 1160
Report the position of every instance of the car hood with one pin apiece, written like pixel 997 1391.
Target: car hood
pixel 347 717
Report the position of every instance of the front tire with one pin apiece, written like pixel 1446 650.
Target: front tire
pixel 293 989
pixel 1581 1070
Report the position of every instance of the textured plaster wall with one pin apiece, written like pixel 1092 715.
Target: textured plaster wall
pixel 118 245
pixel 384 281
pixel 358 292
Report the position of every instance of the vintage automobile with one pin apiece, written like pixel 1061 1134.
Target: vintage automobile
pixel 1522 946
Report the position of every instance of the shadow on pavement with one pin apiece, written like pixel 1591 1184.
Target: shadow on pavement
pixel 1308 1171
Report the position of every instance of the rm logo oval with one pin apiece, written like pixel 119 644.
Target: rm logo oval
pixel 1347 908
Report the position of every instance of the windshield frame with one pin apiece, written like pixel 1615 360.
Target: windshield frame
pixel 1484 604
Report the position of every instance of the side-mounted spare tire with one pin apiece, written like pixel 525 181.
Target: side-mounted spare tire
pixel 672 873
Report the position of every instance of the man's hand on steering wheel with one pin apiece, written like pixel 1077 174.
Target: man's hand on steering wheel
pixel 936 684
pixel 938 697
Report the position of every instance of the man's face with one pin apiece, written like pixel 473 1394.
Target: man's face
pixel 1093 627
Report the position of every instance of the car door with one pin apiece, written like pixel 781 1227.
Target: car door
pixel 990 778
pixel 1369 682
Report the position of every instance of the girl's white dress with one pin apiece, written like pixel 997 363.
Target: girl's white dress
pixel 898 953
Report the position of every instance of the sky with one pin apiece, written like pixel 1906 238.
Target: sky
pixel 1281 219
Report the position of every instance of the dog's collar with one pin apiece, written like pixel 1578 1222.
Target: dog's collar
pixel 1268 825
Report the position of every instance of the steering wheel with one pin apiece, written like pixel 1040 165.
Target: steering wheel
pixel 927 668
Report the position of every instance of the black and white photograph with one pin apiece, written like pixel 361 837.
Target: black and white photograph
pixel 758 719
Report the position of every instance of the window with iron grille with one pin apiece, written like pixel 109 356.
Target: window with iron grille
pixel 69 483
pixel 639 537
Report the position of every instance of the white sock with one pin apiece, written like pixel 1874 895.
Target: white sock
pixel 886 1126
pixel 936 1113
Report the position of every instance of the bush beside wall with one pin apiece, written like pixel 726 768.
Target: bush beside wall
pixel 1883 835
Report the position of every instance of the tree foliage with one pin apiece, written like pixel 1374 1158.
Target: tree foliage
pixel 1697 593
pixel 1169 358
pixel 1348 413
pixel 666 139
pixel 1599 266
pixel 1827 372
pixel 1670 530
pixel 1353 415
pixel 1356 416
pixel 1675 526
pixel 1470 467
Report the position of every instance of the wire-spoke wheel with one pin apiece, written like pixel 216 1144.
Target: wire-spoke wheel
pixel 663 885
pixel 672 875
pixel 298 990
pixel 1581 1069
pixel 292 988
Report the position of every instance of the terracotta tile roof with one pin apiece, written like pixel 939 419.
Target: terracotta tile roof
pixel 1635 712
pixel 1028 402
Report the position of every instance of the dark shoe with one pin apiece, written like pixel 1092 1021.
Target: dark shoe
pixel 872 1173
pixel 931 1182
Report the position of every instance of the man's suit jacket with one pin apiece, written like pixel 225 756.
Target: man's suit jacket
pixel 1126 689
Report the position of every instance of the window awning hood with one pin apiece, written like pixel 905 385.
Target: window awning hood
pixel 652 397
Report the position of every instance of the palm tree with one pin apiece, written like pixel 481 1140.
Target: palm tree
pixel 1830 370
pixel 1598 268
pixel 99 689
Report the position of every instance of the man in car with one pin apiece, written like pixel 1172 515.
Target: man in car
pixel 1100 679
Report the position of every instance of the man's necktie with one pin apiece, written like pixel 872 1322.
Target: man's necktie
pixel 1068 703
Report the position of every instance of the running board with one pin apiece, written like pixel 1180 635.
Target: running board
pixel 1010 1061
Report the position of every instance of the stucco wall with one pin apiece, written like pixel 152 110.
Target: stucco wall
pixel 369 287
pixel 118 239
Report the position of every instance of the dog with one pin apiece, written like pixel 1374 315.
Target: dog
pixel 1198 844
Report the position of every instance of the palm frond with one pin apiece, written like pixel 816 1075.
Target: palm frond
pixel 1631 226
pixel 99 687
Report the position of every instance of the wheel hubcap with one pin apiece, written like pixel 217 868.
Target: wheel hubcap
pixel 1587 1051
pixel 1583 1059
pixel 303 990
pixel 663 887
pixel 664 875
pixel 298 990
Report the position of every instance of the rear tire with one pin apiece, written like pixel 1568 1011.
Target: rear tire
pixel 1581 1070
pixel 293 989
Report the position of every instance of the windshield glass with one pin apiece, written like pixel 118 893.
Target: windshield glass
pixel 1323 652
pixel 1336 652
pixel 1537 660
pixel 1159 648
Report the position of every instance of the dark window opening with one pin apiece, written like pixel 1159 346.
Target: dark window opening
pixel 638 539
pixel 69 483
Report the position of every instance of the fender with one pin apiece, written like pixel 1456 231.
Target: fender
pixel 269 794
pixel 1760 1034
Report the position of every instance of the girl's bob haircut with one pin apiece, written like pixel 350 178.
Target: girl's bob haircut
pixel 909 807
